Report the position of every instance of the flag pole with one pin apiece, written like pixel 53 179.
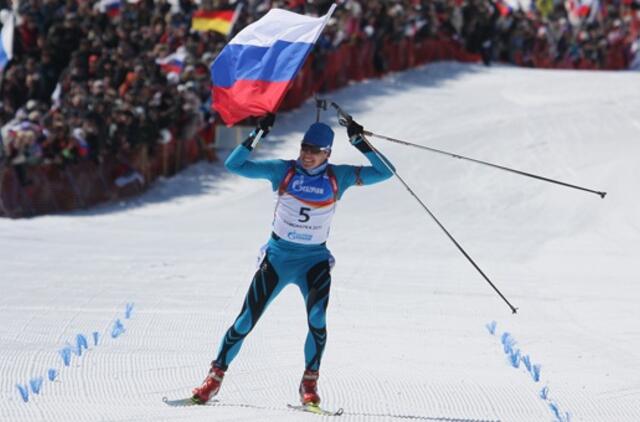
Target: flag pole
pixel 326 18
pixel 236 15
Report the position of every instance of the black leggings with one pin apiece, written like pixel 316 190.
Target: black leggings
pixel 266 285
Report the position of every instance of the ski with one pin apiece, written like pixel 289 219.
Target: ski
pixel 309 408
pixel 186 402
pixel 316 409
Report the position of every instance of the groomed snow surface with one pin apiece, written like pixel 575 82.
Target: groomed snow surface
pixel 409 318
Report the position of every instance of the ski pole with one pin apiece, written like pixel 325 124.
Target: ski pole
pixel 321 104
pixel 344 120
pixel 450 154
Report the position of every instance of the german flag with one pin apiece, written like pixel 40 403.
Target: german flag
pixel 213 20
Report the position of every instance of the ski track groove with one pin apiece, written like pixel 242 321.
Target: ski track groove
pixel 23 329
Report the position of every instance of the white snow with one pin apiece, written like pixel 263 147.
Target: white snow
pixel 408 313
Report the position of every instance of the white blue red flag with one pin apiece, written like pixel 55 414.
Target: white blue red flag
pixel 6 36
pixel 110 7
pixel 253 72
pixel 174 62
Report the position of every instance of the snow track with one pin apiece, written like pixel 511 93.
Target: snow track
pixel 407 315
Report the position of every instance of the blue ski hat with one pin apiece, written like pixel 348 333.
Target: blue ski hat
pixel 319 135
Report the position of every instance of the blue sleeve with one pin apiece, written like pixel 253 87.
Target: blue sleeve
pixel 378 171
pixel 273 170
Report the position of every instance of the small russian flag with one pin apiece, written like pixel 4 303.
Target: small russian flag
pixel 253 72
pixel 81 142
pixel 110 7
pixel 174 62
pixel 6 38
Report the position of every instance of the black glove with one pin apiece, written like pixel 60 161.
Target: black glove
pixel 266 123
pixel 354 129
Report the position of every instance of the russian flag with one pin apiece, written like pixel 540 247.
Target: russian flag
pixel 253 72
pixel 6 36
pixel 81 142
pixel 110 7
pixel 174 62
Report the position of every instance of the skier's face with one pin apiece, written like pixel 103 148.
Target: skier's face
pixel 311 156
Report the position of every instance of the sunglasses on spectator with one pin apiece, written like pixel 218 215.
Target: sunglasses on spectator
pixel 313 149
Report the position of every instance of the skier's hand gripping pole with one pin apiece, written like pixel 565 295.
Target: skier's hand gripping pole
pixel 345 120
pixel 262 129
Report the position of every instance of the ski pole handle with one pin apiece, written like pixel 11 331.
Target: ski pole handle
pixel 257 138
pixel 343 117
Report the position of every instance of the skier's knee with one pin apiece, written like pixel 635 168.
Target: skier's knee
pixel 317 317
pixel 243 324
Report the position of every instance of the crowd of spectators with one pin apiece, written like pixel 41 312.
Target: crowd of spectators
pixel 85 82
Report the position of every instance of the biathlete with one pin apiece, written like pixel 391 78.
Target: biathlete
pixel 308 190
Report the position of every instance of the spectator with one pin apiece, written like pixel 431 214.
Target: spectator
pixel 21 150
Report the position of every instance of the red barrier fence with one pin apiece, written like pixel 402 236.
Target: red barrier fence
pixel 53 188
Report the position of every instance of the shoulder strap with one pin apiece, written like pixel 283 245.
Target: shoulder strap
pixel 287 177
pixel 334 181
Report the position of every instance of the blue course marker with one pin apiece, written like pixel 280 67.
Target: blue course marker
pixel 128 311
pixel 117 330
pixel 514 357
pixel 544 393
pixel 81 342
pixel 535 372
pixel 36 384
pixel 65 354
pixel 24 392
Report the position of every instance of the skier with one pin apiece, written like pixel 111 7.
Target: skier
pixel 307 192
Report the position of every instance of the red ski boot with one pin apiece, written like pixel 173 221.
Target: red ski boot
pixel 309 388
pixel 210 386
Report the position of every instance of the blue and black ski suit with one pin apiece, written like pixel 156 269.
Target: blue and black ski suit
pixel 291 254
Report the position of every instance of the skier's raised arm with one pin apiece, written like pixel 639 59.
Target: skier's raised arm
pixel 379 170
pixel 238 161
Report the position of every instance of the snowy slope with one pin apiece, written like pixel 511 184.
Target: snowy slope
pixel 408 314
